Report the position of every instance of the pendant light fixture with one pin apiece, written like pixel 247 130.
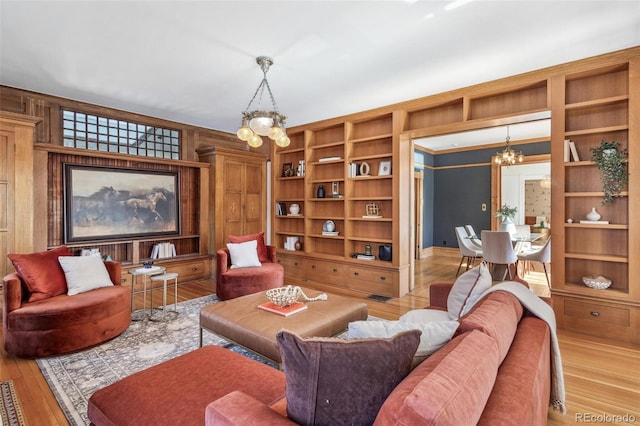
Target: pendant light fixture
pixel 259 122
pixel 508 156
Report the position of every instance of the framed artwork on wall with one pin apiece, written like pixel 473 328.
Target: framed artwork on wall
pixel 104 203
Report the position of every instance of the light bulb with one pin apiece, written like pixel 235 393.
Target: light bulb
pixel 283 141
pixel 255 141
pixel 275 133
pixel 261 125
pixel 244 133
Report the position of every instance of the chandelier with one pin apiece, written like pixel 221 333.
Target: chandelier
pixel 508 156
pixel 259 122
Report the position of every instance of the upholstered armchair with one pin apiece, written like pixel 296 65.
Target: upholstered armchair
pixel 236 282
pixel 42 315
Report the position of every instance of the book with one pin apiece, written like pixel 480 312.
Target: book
pixel 330 158
pixel 574 151
pixel 567 151
pixel 285 311
pixel 595 222
pixel 366 257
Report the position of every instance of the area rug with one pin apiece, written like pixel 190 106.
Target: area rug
pixel 74 378
pixel 10 411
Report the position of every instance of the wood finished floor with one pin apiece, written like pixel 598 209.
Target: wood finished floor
pixel 602 377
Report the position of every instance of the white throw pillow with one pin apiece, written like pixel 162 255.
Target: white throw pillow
pixel 244 255
pixel 467 289
pixel 434 334
pixel 84 273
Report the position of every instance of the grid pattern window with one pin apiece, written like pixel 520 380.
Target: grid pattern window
pixel 95 133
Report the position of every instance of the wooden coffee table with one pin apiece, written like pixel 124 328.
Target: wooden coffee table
pixel 241 322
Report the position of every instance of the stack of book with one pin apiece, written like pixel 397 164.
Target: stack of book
pixel 161 250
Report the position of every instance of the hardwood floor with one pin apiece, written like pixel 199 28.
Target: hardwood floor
pixel 602 377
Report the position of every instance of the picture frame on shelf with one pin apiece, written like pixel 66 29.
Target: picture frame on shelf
pixel 287 170
pixel 103 203
pixel 384 168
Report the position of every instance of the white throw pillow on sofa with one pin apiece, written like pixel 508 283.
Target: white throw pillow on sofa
pixel 467 289
pixel 244 255
pixel 435 334
pixel 84 273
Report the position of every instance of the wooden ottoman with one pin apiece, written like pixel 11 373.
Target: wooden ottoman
pixel 240 321
pixel 177 392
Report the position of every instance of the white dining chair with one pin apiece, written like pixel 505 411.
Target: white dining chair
pixel 497 249
pixel 471 233
pixel 543 255
pixel 467 251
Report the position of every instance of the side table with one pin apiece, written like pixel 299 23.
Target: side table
pixel 144 272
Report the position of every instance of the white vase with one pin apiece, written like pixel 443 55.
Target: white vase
pixel 507 225
pixel 294 209
pixel 593 215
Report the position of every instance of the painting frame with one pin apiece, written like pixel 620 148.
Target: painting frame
pixel 104 203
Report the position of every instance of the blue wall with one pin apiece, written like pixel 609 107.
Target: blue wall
pixel 453 196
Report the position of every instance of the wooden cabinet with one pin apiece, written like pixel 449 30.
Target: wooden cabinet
pixel 358 163
pixel 16 186
pixel 238 196
pixel 591 106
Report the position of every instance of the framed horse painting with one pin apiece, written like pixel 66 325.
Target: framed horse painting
pixel 104 203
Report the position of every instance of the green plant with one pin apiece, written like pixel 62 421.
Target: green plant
pixel 611 161
pixel 506 212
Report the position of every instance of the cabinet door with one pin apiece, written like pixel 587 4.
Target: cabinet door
pixel 253 202
pixel 233 198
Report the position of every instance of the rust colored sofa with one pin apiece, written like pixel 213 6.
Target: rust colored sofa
pixel 63 323
pixel 236 282
pixel 495 371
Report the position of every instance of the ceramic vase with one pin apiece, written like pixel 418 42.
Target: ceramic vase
pixel 294 209
pixel 593 215
pixel 507 225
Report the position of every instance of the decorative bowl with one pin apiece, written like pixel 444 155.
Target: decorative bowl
pixel 283 296
pixel 599 282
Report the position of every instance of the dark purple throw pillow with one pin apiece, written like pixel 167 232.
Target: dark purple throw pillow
pixel 331 381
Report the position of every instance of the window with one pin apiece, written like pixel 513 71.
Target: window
pixel 95 133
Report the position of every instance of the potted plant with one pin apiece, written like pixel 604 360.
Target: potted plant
pixel 611 161
pixel 506 214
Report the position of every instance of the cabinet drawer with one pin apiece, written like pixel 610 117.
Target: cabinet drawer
pixel 190 271
pixel 370 280
pixel 318 271
pixel 601 314
pixel 607 319
pixel 293 266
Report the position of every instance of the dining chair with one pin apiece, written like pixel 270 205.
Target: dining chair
pixel 543 255
pixel 523 232
pixel 471 233
pixel 467 251
pixel 497 249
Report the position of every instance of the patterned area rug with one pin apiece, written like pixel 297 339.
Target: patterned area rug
pixel 74 378
pixel 10 411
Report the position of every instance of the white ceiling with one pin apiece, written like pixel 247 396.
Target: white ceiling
pixel 194 61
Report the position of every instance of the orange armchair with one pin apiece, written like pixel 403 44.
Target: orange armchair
pixel 236 282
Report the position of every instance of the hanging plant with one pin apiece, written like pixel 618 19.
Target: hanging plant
pixel 506 212
pixel 611 161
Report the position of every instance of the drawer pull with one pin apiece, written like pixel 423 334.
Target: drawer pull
pixel 356 273
pixel 383 278
pixel 122 281
pixel 313 266
pixel 295 263
pixel 194 269
pixel 595 313
pixel 335 270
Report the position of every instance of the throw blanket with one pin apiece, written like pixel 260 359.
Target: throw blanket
pixel 542 310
